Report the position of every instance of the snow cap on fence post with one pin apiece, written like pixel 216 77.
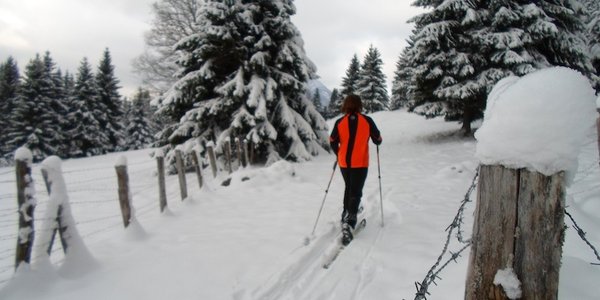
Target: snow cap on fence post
pixel 23 154
pixel 121 161
pixel 538 121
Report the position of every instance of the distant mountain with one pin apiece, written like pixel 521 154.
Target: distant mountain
pixel 324 92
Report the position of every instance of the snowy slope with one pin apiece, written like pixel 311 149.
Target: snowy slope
pixel 324 92
pixel 246 241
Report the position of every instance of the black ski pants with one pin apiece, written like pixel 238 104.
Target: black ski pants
pixel 355 180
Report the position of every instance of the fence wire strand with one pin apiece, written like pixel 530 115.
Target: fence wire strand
pixel 582 234
pixel 433 273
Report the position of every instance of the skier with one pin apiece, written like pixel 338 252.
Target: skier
pixel 349 140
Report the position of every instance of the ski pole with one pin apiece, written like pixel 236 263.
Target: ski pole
pixel 323 202
pixel 380 193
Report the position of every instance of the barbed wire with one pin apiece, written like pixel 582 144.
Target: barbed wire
pixel 582 234
pixel 433 273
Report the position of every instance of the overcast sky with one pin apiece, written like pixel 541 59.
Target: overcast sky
pixel 333 31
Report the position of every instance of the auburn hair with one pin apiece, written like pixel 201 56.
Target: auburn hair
pixel 351 104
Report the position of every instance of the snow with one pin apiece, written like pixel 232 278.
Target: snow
pixel 246 241
pixel 121 161
pixel 510 283
pixel 23 154
pixel 539 121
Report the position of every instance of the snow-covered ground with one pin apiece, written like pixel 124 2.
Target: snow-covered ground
pixel 246 241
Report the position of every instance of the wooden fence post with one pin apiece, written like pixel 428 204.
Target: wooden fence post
pixel 123 182
pixel 240 154
pixel 162 192
pixel 227 149
pixel 210 148
pixel 181 174
pixel 598 130
pixel 197 166
pixel 519 224
pixel 60 218
pixel 252 154
pixel 26 203
pixel 60 227
pixel 245 150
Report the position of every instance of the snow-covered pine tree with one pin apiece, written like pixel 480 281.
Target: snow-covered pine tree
pixel 138 130
pixel 110 100
pixel 447 61
pixel 35 122
pixel 245 73
pixel 316 100
pixel 462 48
pixel 335 103
pixel 593 37
pixel 565 43
pixel 401 85
pixel 58 102
pixel 350 80
pixel 371 86
pixel 87 137
pixel 10 82
pixel 68 85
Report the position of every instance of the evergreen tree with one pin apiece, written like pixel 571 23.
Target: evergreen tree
pixel 335 103
pixel 401 83
pixel 138 127
pixel 371 84
pixel 10 82
pixel 593 37
pixel 245 73
pixel 58 106
pixel 68 85
pixel 447 61
pixel 316 100
pixel 87 136
pixel 462 48
pixel 110 103
pixel 350 81
pixel 35 121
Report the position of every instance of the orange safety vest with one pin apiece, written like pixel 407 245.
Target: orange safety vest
pixel 352 136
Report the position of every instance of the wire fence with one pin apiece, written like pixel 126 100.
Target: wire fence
pixel 455 229
pixel 433 273
pixel 97 180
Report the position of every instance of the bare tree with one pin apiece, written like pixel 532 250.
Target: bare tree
pixel 173 21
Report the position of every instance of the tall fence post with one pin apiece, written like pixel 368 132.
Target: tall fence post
pixel 197 166
pixel 60 227
pixel 162 191
pixel 252 154
pixel 26 203
pixel 181 174
pixel 210 150
pixel 59 218
pixel 240 153
pixel 598 130
pixel 245 150
pixel 123 182
pixel 519 224
pixel 227 149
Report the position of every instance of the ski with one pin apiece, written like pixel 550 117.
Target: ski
pixel 341 247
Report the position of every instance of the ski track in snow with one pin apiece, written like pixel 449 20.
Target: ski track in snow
pixel 305 278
